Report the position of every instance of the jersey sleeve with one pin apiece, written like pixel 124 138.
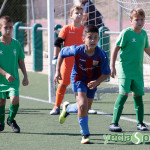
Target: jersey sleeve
pixel 63 32
pixel 122 39
pixel 20 52
pixel 68 51
pixel 105 68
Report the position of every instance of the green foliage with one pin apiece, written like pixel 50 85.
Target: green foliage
pixel 16 9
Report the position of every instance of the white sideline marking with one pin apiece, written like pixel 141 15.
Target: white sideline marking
pixel 98 112
pixel 34 99
pixel 123 118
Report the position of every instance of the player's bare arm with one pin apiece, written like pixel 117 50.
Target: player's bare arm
pixel 8 76
pixel 25 81
pixel 147 50
pixel 57 47
pixel 113 60
pixel 57 76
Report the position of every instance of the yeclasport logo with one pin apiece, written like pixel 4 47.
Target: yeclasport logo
pixel 135 138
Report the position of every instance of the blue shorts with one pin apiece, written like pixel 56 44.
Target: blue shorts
pixel 80 86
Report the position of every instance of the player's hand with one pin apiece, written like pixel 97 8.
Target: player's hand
pixel 25 81
pixel 9 77
pixel 57 77
pixel 92 84
pixel 113 72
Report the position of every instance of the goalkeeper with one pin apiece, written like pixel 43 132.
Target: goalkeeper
pixel 132 43
pixel 70 34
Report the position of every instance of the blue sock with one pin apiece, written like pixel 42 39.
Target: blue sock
pixel 84 125
pixel 72 108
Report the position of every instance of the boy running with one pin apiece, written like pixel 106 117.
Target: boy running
pixel 90 69
pixel 70 34
pixel 11 54
pixel 132 43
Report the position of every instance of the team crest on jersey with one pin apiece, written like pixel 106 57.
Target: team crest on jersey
pixel 95 62
pixel 1 52
pixel 14 51
pixel 133 40
pixel 71 32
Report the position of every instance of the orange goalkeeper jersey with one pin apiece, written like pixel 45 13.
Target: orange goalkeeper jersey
pixel 72 36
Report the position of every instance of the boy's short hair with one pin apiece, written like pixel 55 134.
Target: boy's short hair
pixel 73 8
pixel 5 18
pixel 90 28
pixel 136 12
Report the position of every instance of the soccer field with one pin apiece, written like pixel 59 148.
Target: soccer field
pixel 41 131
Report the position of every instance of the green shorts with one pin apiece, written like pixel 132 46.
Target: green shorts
pixel 8 94
pixel 127 85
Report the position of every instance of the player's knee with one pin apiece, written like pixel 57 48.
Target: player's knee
pixel 63 85
pixel 2 102
pixel 83 107
pixel 14 100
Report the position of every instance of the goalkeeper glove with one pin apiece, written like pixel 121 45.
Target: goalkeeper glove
pixel 54 61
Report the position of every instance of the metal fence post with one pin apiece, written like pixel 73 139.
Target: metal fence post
pixel 37 48
pixel 104 42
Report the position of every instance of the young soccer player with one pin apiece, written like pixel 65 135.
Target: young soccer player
pixel 70 34
pixel 11 54
pixel 132 43
pixel 90 69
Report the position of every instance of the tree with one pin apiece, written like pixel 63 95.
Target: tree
pixel 16 9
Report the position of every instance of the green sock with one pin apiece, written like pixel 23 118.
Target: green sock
pixel 139 108
pixel 2 115
pixel 13 109
pixel 119 107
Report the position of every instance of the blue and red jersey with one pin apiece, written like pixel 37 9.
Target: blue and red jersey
pixel 86 68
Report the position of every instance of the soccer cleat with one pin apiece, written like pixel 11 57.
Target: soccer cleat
pixel 64 114
pixel 92 111
pixel 14 126
pixel 114 127
pixel 2 127
pixel 55 110
pixel 142 126
pixel 85 139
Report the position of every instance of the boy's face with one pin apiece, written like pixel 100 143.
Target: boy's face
pixel 77 15
pixel 6 28
pixel 91 39
pixel 137 22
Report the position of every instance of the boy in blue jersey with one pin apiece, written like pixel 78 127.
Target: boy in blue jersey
pixel 90 69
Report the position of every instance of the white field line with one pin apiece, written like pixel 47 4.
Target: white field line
pixel 123 118
pixel 98 112
pixel 34 99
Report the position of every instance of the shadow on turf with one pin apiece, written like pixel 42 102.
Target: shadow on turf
pixel 122 114
pixel 30 111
